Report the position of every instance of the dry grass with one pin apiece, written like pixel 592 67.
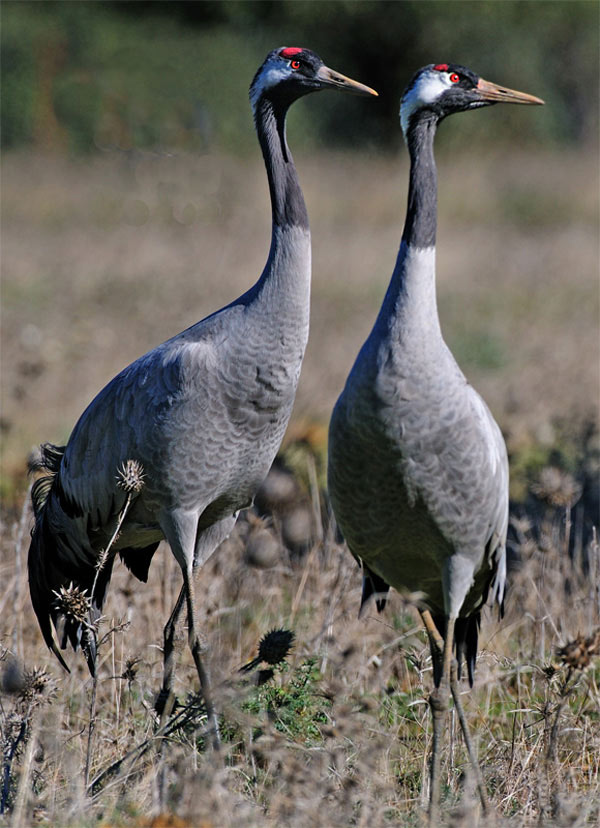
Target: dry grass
pixel 102 260
pixel 339 735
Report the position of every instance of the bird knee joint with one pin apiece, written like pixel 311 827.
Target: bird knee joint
pixel 439 701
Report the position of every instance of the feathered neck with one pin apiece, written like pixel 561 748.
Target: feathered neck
pixel 287 201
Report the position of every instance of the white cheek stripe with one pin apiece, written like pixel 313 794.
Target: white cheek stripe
pixel 271 75
pixel 425 90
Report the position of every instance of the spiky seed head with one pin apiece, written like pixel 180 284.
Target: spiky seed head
pixel 37 686
pixel 72 602
pixel 275 646
pixel 579 653
pixel 550 670
pixel 131 668
pixel 556 487
pixel 131 476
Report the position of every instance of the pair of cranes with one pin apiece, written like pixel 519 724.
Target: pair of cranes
pixel 418 471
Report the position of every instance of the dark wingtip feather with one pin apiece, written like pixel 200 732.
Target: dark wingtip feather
pixel 46 579
pixel 466 635
pixel 138 561
pixel 40 592
pixel 373 585
pixel 46 459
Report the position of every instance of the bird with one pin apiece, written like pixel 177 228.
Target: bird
pixel 182 438
pixel 417 466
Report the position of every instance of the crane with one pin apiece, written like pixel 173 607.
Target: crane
pixel 201 416
pixel 417 466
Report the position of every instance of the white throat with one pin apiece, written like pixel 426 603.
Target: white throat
pixel 427 88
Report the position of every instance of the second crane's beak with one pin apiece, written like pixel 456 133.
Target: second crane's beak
pixel 500 94
pixel 334 80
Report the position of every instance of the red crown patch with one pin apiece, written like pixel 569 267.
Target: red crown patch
pixel 290 51
pixel 441 67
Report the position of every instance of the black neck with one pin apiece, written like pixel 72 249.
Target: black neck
pixel 287 202
pixel 421 214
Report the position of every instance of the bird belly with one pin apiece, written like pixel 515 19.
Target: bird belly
pixel 390 531
pixel 211 454
pixel 408 503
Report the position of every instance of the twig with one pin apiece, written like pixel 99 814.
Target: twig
pixel 104 556
pixel 565 692
pixel 17 638
pixel 21 799
pixel 91 728
pixel 178 720
pixel 130 477
pixel 12 752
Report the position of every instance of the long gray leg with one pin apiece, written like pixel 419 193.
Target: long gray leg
pixel 197 648
pixel 437 645
pixel 438 703
pixel 192 547
pixel 166 699
pixel 467 737
pixel 181 530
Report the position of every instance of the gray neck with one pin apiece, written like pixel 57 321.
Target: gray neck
pixel 421 213
pixel 409 314
pixel 282 293
pixel 287 201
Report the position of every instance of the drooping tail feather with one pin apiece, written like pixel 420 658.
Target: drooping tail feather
pixel 466 636
pixel 47 459
pixel 41 594
pixel 373 584
pixel 60 574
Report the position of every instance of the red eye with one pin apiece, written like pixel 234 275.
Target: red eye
pixel 454 77
pixel 295 64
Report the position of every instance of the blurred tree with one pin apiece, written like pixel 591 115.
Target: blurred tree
pixel 155 74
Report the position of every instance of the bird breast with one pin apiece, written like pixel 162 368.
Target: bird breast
pixel 416 469
pixel 215 437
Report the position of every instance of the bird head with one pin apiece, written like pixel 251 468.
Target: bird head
pixel 290 72
pixel 444 88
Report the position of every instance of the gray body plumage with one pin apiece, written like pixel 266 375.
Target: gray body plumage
pixel 418 471
pixel 203 414
pixel 417 465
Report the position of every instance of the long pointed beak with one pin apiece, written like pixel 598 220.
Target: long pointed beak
pixel 500 94
pixel 334 80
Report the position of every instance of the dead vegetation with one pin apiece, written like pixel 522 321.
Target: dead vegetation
pixel 103 260
pixel 335 734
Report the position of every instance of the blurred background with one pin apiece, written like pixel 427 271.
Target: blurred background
pixel 134 201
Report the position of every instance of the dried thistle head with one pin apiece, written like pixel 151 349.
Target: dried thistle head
pixel 556 487
pixel 579 653
pixel 73 603
pixel 273 649
pixel 550 670
pixel 275 646
pixel 130 671
pixel 131 476
pixel 37 687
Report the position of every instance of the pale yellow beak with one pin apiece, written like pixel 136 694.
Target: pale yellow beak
pixel 500 94
pixel 334 80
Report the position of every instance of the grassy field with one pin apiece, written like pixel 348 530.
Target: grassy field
pixel 104 258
